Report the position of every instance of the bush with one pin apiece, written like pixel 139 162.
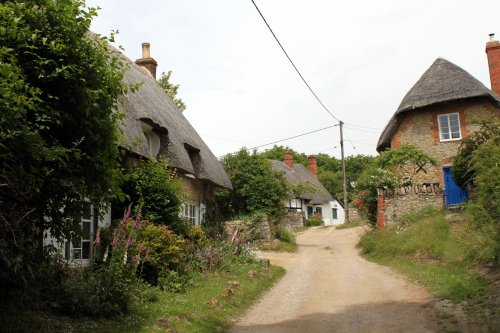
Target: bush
pixel 285 235
pixel 156 190
pixel 314 221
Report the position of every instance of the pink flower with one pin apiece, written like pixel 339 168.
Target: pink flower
pixel 114 239
pixel 129 241
pixel 98 236
pixel 137 220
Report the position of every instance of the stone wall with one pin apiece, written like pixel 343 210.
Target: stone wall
pixel 294 220
pixel 264 229
pixel 195 191
pixel 394 203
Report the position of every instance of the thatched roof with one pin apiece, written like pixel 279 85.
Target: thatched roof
pixel 183 147
pixel 442 82
pixel 299 174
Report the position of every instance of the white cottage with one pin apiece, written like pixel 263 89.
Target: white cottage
pixel 319 202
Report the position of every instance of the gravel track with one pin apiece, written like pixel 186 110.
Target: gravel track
pixel 328 287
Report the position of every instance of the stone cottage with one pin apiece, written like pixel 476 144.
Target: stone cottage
pixel 318 202
pixel 436 113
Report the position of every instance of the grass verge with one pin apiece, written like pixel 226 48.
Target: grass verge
pixel 352 224
pixel 431 252
pixel 208 306
pixel 439 255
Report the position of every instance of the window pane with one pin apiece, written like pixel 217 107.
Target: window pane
pixel 87 211
pixel 77 253
pixel 86 230
pixel 66 250
pixel 85 250
pixel 455 135
pixel 76 242
pixel 334 213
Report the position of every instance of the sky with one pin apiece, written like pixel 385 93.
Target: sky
pixel 359 56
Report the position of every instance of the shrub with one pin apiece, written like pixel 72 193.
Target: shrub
pixel 174 282
pixel 314 221
pixel 285 235
pixel 156 190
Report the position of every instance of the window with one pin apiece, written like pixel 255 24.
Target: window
pixel 294 205
pixel 190 212
pixel 449 127
pixel 334 213
pixel 152 139
pixel 319 210
pixel 80 248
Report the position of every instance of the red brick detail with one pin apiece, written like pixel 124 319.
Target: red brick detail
pixel 463 124
pixel 380 212
pixel 288 159
pixel 313 165
pixel 493 54
pixel 396 138
pixel 435 129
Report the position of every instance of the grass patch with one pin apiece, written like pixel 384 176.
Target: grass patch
pixel 208 306
pixel 429 250
pixel 352 224
pixel 278 246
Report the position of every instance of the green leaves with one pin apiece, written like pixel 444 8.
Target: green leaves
pixel 256 185
pixel 171 89
pixel 58 127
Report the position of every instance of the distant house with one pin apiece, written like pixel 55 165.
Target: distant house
pixel 318 202
pixel 437 113
pixel 153 127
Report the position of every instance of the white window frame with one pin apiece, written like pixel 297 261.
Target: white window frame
pixel 191 212
pixel 152 139
pixel 74 248
pixel 449 133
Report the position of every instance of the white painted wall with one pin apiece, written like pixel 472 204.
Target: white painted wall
pixel 328 213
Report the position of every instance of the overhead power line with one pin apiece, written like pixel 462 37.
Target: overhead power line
pixel 293 137
pixel 295 67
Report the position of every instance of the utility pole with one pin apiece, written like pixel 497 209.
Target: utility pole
pixel 346 205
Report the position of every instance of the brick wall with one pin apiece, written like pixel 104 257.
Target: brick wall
pixel 420 128
pixel 394 203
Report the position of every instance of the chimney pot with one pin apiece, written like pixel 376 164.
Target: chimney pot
pixel 313 165
pixel 288 159
pixel 146 50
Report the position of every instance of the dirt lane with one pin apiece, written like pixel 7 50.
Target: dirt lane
pixel 330 288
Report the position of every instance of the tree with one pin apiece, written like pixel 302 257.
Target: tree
pixel 333 182
pixel 406 160
pixel 59 87
pixel 171 89
pixel 393 168
pixel 278 152
pixel 463 170
pixel 256 185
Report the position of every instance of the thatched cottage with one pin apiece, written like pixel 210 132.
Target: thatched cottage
pixel 318 202
pixel 438 112
pixel 153 127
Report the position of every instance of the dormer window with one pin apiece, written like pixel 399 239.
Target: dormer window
pixel 152 138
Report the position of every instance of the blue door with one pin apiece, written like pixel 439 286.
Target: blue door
pixel 454 195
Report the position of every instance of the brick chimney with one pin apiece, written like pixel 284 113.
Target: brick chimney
pixel 493 53
pixel 288 159
pixel 146 61
pixel 313 165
